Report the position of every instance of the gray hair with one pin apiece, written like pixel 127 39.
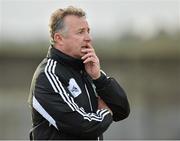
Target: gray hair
pixel 56 23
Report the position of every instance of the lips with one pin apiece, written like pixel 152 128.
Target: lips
pixel 84 47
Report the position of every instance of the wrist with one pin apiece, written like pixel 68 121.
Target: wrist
pixel 101 82
pixel 97 76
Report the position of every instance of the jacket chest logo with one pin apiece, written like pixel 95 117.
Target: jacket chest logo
pixel 74 88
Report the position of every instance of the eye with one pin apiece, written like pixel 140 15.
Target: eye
pixel 81 32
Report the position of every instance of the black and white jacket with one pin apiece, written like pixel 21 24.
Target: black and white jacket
pixel 63 100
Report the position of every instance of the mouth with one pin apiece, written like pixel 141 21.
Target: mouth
pixel 83 47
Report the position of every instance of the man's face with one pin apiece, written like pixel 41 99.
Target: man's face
pixel 77 36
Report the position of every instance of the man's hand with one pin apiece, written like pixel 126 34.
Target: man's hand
pixel 103 105
pixel 91 62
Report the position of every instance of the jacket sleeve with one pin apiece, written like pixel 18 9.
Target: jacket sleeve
pixel 113 95
pixel 52 100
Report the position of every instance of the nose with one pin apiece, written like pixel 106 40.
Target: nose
pixel 87 37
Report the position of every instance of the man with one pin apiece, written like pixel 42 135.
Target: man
pixel 70 97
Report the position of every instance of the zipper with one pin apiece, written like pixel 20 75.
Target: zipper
pixel 90 102
pixel 89 98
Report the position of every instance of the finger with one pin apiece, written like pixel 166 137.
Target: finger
pixel 89 45
pixel 87 50
pixel 90 59
pixel 88 55
pixel 92 56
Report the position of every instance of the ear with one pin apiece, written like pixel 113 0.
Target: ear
pixel 58 38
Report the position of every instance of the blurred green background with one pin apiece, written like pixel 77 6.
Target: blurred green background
pixel 145 59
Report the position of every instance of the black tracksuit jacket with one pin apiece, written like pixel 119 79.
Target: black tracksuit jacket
pixel 63 100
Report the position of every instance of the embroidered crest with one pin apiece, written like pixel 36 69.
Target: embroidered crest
pixel 74 88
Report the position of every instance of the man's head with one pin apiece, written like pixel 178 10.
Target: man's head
pixel 69 31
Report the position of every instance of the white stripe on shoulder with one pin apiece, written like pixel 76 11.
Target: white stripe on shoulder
pixel 37 106
pixel 58 88
pixel 52 80
pixel 48 76
pixel 104 74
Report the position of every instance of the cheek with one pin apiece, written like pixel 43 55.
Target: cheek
pixel 77 44
pixel 78 39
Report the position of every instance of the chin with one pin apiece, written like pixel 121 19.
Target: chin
pixel 78 56
pixel 81 55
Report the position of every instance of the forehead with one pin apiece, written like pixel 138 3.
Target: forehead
pixel 75 22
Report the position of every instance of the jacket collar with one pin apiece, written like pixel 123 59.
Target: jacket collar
pixel 65 59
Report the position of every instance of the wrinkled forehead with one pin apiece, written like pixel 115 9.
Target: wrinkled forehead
pixel 75 22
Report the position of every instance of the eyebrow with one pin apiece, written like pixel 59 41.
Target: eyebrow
pixel 83 29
